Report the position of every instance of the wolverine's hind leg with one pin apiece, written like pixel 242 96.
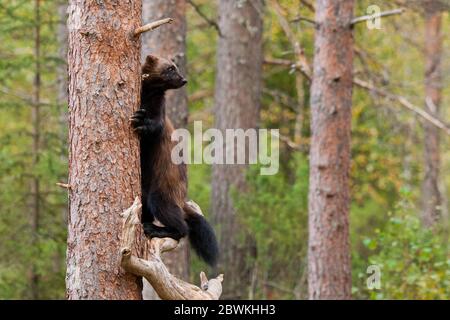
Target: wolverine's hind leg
pixel 168 214
pixel 153 231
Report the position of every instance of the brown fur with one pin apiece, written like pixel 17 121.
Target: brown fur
pixel 164 183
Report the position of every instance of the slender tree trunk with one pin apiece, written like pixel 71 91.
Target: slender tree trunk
pixel 104 175
pixel 35 116
pixel 169 42
pixel 237 105
pixel 329 274
pixel 431 196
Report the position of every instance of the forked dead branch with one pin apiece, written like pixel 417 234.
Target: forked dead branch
pixel 167 286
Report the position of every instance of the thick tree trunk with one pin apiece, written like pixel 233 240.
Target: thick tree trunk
pixel 170 42
pixel 104 175
pixel 431 196
pixel 329 275
pixel 237 104
pixel 36 120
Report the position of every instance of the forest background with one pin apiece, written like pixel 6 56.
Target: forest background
pixel 387 168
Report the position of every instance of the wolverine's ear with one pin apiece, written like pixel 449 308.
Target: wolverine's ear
pixel 151 61
pixel 176 59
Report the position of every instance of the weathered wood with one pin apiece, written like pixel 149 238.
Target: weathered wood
pixel 167 286
pixel 151 26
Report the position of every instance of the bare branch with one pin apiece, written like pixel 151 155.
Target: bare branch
pixel 165 284
pixel 291 144
pixel 302 18
pixel 308 5
pixel 64 185
pixel 151 26
pixel 384 93
pixel 404 102
pixel 375 16
pixel 211 22
pixel 299 51
pixel 281 62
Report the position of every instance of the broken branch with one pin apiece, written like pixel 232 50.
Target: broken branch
pixel 376 16
pixel 298 49
pixel 404 102
pixel 165 284
pixel 63 185
pixel 151 26
pixel 383 93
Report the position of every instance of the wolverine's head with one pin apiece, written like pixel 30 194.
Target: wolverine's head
pixel 159 73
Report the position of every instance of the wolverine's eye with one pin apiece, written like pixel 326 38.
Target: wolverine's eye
pixel 171 69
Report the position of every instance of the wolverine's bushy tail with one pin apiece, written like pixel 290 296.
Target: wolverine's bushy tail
pixel 202 237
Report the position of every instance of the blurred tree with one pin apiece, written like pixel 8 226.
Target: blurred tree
pixel 431 195
pixel 329 274
pixel 237 105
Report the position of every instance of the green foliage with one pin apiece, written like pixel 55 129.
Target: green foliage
pixel 274 212
pixel 414 261
pixel 387 153
pixel 19 254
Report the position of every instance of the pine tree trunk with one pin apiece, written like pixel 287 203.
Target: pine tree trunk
pixel 237 105
pixel 169 42
pixel 329 274
pixel 104 175
pixel 431 196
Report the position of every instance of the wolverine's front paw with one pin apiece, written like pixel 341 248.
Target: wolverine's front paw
pixel 138 120
pixel 144 125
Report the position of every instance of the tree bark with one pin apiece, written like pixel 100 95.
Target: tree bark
pixel 104 175
pixel 431 196
pixel 237 105
pixel 36 120
pixel 169 42
pixel 329 274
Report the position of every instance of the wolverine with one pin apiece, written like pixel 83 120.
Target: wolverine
pixel 164 184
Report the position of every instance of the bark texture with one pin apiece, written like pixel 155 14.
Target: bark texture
pixel 329 275
pixel 169 42
pixel 431 196
pixel 237 105
pixel 104 86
